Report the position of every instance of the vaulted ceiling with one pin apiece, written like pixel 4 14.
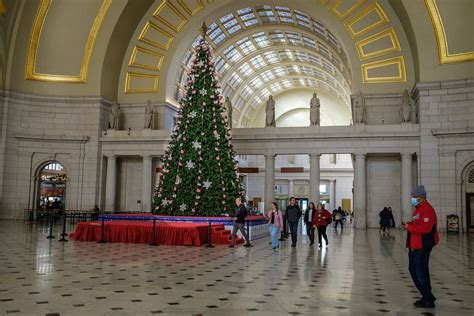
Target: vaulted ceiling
pixel 141 49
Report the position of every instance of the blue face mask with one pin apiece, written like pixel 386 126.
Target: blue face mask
pixel 414 202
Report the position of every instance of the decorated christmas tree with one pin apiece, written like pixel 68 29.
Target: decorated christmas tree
pixel 199 168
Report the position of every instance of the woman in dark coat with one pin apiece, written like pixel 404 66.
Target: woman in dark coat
pixel 385 217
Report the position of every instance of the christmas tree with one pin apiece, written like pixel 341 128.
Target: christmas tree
pixel 199 168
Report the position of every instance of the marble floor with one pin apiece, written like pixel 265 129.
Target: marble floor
pixel 361 273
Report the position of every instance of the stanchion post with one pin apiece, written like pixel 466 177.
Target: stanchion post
pixel 51 219
pixel 63 234
pixel 102 240
pixel 209 236
pixel 248 230
pixel 153 234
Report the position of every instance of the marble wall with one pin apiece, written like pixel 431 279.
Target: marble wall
pixel 446 142
pixel 37 129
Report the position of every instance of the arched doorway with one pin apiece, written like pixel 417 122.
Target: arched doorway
pixel 51 186
pixel 469 181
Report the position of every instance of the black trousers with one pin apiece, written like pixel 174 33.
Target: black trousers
pixel 310 231
pixel 419 261
pixel 322 234
pixel 285 227
pixel 339 221
pixel 294 232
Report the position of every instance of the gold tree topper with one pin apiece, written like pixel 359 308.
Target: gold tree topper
pixel 204 30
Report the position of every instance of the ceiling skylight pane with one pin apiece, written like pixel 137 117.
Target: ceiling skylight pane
pixel 246 92
pixel 250 23
pixel 261 39
pixel 196 41
pixel 226 18
pixel 309 42
pixel 244 11
pixel 258 62
pixel 319 27
pixel 265 93
pixel 286 83
pixel 303 23
pixel 232 54
pixel 280 71
pixel 219 39
pixel 268 75
pixel 234 80
pixel 230 23
pixel 272 57
pixel 332 39
pixel 256 83
pixel 239 103
pixel 323 49
pixel 249 16
pixel 246 45
pixel 246 70
pixel 235 29
pixel 215 33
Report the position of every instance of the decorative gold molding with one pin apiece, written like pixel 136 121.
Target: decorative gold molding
pixel 398 61
pixel 444 56
pixel 390 32
pixel 41 15
pixel 188 9
pixel 342 16
pixel 169 24
pixel 374 7
pixel 324 2
pixel 3 8
pixel 133 58
pixel 143 36
pixel 130 76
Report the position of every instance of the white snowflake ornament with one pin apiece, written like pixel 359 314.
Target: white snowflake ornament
pixel 203 92
pixel 190 164
pixel 182 207
pixel 196 144
pixel 207 184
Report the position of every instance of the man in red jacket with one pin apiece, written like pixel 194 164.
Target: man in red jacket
pixel 422 236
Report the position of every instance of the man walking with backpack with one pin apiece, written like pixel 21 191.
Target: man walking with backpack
pixel 422 236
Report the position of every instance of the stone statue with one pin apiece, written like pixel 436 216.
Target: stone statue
pixel 406 107
pixel 114 116
pixel 148 114
pixel 314 110
pixel 359 109
pixel 228 110
pixel 270 112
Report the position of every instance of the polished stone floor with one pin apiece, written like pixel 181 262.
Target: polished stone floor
pixel 361 273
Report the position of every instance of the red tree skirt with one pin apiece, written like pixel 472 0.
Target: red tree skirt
pixel 186 234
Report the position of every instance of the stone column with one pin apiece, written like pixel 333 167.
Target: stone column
pixel 360 192
pixel 332 193
pixel 269 181
pixel 146 184
pixel 291 188
pixel 111 184
pixel 406 208
pixel 314 178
